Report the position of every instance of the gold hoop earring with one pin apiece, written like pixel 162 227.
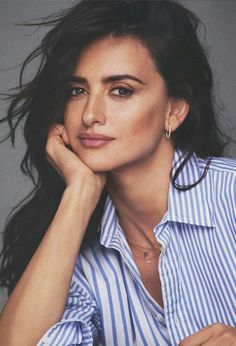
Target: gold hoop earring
pixel 168 133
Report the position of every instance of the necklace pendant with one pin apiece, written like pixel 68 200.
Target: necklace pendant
pixel 148 261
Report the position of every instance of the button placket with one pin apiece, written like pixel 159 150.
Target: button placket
pixel 46 340
pixel 159 317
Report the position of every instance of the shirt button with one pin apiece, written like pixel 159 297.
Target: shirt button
pixel 46 340
pixel 159 317
pixel 176 321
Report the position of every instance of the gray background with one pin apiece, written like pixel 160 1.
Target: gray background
pixel 16 42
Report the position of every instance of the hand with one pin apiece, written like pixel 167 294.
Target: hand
pixel 213 335
pixel 69 166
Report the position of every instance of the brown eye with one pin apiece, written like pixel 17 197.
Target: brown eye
pixel 121 92
pixel 77 91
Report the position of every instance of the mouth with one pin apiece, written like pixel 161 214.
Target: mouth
pixel 94 141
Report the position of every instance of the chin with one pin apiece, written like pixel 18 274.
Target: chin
pixel 98 166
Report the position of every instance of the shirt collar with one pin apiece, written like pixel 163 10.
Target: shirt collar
pixel 183 206
pixel 194 206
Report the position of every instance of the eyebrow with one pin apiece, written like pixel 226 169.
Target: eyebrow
pixel 106 80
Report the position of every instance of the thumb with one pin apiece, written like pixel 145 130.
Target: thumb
pixel 65 137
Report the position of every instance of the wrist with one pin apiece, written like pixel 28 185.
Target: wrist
pixel 79 194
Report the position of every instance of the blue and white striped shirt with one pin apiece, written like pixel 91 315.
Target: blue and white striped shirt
pixel 108 303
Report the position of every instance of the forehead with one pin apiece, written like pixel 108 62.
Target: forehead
pixel 116 54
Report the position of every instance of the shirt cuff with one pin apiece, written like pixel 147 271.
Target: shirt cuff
pixel 67 333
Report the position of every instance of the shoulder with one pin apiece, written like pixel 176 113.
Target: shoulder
pixel 220 180
pixel 213 169
pixel 219 187
pixel 221 176
pixel 221 173
pixel 219 165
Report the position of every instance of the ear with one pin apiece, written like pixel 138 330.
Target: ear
pixel 65 137
pixel 178 111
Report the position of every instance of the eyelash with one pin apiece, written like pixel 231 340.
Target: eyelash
pixel 75 89
pixel 128 92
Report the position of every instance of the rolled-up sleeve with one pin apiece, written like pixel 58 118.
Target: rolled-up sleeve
pixel 80 321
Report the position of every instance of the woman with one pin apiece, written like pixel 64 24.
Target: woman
pixel 128 237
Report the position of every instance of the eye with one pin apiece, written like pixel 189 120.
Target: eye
pixel 121 92
pixel 77 91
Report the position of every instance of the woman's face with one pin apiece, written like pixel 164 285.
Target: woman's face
pixel 118 105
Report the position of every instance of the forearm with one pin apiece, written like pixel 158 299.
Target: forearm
pixel 38 300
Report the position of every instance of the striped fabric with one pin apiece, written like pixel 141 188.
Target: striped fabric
pixel 108 303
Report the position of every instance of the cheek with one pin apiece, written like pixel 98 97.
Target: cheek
pixel 149 126
pixel 147 117
pixel 71 121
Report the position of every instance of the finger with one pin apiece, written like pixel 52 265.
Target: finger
pixel 223 335
pixel 56 130
pixel 223 340
pixel 55 137
pixel 65 137
pixel 206 334
pixel 215 342
pixel 198 338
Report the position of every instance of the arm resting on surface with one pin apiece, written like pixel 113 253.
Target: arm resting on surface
pixel 39 298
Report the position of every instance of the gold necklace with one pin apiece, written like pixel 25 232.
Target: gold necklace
pixel 145 253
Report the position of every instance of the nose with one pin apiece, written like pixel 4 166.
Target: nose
pixel 94 111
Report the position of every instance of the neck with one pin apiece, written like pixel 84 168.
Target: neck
pixel 140 195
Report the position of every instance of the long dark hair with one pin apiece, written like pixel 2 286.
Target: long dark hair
pixel 170 32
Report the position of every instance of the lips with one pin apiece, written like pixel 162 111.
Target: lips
pixel 95 136
pixel 94 140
